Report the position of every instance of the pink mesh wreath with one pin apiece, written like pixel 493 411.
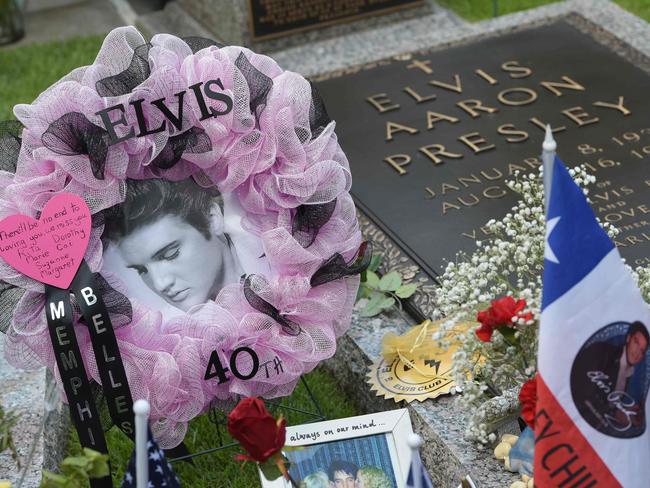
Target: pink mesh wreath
pixel 269 158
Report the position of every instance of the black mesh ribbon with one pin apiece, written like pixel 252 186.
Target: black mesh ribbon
pixel 125 81
pixel 318 117
pixel 197 43
pixel 336 267
pixel 193 140
pixel 10 142
pixel 309 219
pixel 259 85
pixel 9 296
pixel 119 307
pixel 139 69
pixel 73 134
pixel 262 306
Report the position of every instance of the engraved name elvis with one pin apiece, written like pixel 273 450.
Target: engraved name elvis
pixel 610 379
pixel 449 194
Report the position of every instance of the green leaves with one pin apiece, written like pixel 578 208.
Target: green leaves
pixel 76 470
pixel 390 282
pixel 372 280
pixel 382 292
pixel 378 303
pixel 271 468
pixel 375 261
pixel 406 291
pixel 7 421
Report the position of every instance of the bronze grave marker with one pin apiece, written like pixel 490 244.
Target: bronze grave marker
pixel 432 137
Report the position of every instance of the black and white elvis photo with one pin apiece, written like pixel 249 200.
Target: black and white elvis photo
pixel 183 242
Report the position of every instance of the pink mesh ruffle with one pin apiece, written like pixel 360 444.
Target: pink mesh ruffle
pixel 269 159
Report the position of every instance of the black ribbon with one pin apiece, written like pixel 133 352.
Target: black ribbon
pixel 309 219
pixel 73 134
pixel 125 81
pixel 83 411
pixel 261 305
pixel 58 309
pixel 193 140
pixel 318 117
pixel 336 267
pixel 10 142
pixel 139 69
pixel 259 85
pixel 107 353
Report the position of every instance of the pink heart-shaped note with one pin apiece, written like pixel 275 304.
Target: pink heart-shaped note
pixel 50 249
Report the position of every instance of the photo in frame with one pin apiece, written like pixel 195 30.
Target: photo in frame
pixel 367 451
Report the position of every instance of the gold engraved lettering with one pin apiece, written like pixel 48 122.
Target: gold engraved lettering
pixel 456 87
pixel 433 117
pixel 569 84
pixel 579 116
pixel 473 106
pixel 476 142
pixel 382 103
pixel 463 180
pixel 417 97
pixel 511 130
pixel 394 127
pixel 446 206
pixel 618 106
pixel 432 151
pixel 529 96
pixel 447 187
pixel 471 203
pixel 422 65
pixel 486 77
pixel 515 70
pixel 398 161
pixel 497 175
pixel 542 125
pixel 494 192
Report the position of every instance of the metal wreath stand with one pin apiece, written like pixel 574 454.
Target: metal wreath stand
pixel 219 418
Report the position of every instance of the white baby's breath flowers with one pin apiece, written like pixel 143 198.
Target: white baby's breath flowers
pixel 509 261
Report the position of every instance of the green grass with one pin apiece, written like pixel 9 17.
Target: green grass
pixel 475 10
pixel 219 470
pixel 641 8
pixel 484 9
pixel 27 71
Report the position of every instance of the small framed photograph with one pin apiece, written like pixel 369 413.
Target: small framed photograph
pixel 368 451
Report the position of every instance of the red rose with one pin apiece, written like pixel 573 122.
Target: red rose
pixel 256 430
pixel 528 400
pixel 500 313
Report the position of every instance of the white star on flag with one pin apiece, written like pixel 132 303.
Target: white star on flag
pixel 548 252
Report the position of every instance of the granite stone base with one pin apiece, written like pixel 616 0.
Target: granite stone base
pixel 446 453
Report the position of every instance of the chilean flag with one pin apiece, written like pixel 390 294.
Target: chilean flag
pixel 594 360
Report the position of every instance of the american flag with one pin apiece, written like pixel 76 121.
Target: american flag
pixel 417 470
pixel 161 473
